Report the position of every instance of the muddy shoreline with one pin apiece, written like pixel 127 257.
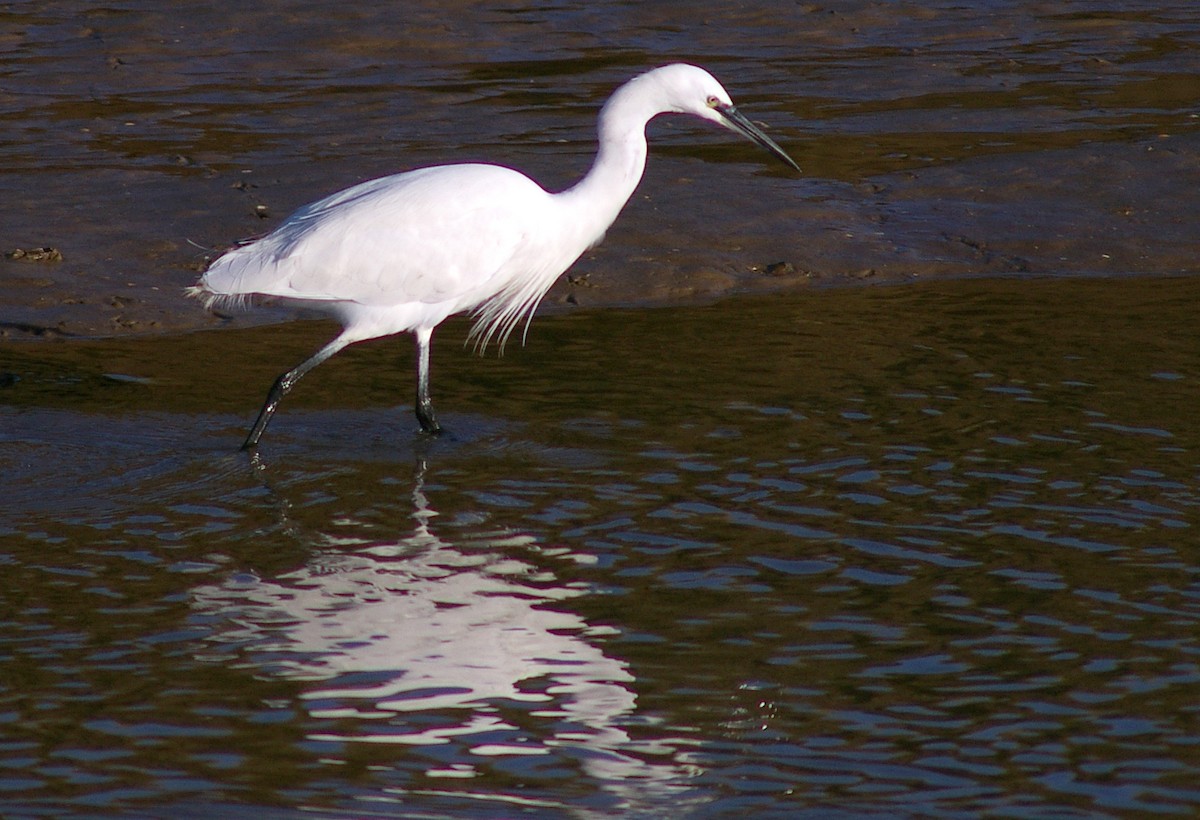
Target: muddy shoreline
pixel 1110 212
pixel 1053 140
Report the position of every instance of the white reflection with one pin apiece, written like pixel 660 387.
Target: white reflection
pixel 422 642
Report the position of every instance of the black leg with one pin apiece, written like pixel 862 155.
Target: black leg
pixel 424 406
pixel 283 386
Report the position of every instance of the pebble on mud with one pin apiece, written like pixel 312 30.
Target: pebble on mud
pixel 46 254
pixel 779 269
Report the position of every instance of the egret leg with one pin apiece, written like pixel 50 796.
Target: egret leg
pixel 283 386
pixel 424 405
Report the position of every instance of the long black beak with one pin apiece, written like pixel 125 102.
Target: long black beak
pixel 737 122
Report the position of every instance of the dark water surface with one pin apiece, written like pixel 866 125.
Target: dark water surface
pixel 937 138
pixel 924 550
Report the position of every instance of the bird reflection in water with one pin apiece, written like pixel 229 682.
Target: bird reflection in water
pixel 420 641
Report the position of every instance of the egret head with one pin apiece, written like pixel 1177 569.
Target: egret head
pixel 690 89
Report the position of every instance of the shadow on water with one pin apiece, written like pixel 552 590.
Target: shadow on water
pixel 926 550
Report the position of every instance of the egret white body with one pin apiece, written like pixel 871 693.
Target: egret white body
pixel 404 252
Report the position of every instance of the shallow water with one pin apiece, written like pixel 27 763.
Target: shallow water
pixel 927 550
pixel 940 138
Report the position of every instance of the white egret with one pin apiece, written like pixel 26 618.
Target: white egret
pixel 404 252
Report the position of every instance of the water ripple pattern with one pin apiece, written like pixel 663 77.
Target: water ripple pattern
pixel 921 550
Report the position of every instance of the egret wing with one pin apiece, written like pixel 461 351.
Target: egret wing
pixel 439 234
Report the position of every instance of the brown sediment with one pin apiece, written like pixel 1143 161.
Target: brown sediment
pixel 1106 210
pixel 931 147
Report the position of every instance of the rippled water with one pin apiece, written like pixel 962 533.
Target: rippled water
pixel 926 550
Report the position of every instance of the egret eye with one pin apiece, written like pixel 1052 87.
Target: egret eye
pixel 713 102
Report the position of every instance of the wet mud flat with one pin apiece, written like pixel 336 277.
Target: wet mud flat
pixel 946 141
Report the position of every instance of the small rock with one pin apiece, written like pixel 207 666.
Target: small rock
pixel 46 254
